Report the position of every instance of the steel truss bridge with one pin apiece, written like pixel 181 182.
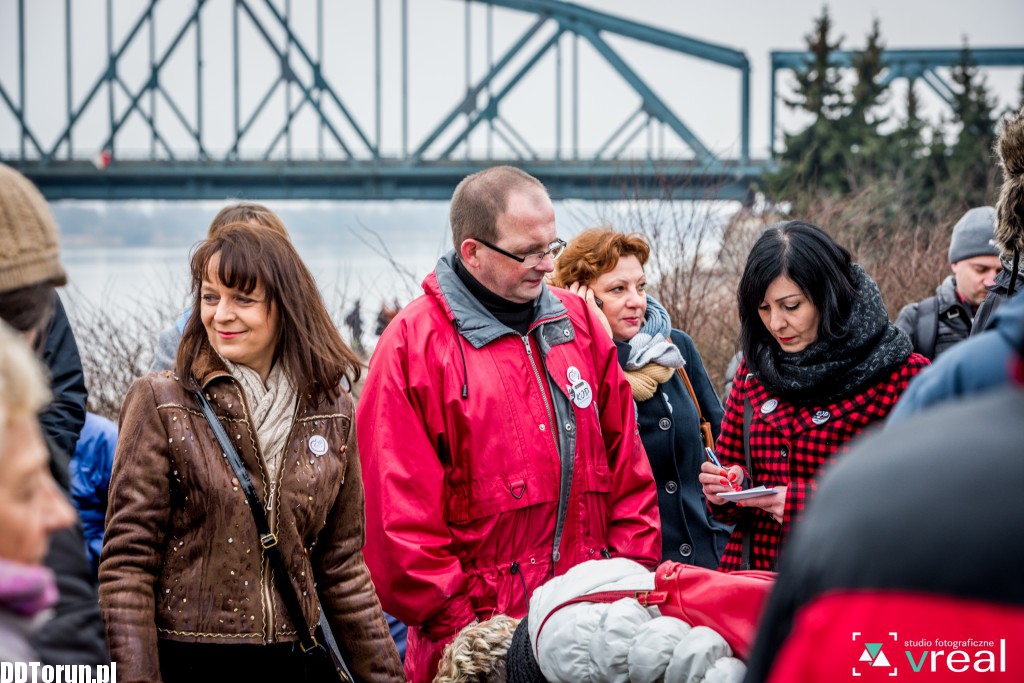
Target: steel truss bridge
pixel 208 99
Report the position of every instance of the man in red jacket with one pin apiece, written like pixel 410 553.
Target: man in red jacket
pixel 497 433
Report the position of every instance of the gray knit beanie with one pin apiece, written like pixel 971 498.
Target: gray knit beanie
pixel 974 235
pixel 29 254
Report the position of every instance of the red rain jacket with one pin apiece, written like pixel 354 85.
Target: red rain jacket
pixel 494 461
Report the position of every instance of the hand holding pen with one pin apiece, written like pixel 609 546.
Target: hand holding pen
pixel 716 478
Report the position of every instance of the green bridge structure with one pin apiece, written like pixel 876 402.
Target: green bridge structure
pixel 271 113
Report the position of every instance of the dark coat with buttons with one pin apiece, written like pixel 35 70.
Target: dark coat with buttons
pixel 670 431
pixel 182 559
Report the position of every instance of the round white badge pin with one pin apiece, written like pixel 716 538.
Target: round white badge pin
pixel 579 389
pixel 821 417
pixel 769 406
pixel 317 445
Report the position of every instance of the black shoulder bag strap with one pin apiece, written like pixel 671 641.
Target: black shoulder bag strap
pixel 268 541
pixel 748 416
pixel 927 330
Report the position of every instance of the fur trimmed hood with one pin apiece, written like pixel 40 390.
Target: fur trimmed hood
pixel 1010 207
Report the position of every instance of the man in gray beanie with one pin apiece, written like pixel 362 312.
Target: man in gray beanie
pixel 938 322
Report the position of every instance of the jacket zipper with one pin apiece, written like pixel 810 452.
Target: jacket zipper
pixel 563 485
pixel 540 383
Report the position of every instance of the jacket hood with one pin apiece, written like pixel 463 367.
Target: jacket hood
pixel 1010 207
pixel 473 320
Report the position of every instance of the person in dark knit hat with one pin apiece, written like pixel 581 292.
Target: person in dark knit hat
pixel 936 323
pixel 981 363
pixel 30 269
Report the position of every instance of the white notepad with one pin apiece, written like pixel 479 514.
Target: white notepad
pixel 747 493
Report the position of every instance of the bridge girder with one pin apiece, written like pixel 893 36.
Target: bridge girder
pixel 181 143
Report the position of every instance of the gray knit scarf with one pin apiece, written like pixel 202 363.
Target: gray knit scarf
pixel 652 343
pixel 830 369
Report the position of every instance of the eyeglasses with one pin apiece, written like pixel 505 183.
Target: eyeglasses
pixel 554 250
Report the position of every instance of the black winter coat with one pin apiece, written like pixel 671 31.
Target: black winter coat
pixel 852 567
pixel 670 432
pixel 65 416
pixel 75 633
pixel 998 293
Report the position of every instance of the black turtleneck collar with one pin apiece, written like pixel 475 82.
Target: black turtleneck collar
pixel 514 315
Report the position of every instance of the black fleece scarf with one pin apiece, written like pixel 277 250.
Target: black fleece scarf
pixel 520 664
pixel 830 369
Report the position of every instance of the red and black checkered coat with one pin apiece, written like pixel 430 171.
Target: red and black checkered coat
pixel 788 448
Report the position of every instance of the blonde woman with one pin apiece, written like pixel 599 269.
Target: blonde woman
pixel 31 505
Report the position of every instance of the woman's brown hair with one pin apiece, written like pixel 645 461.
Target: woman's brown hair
pixel 594 252
pixel 247 212
pixel 309 345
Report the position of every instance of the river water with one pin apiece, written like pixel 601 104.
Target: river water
pixel 130 259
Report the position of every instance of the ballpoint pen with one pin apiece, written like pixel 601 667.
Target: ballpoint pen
pixel 713 459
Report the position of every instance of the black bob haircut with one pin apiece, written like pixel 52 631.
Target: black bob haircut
pixel 808 256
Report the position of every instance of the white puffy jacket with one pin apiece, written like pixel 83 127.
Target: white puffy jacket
pixel 621 641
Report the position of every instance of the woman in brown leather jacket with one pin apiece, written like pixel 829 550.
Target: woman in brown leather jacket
pixel 186 588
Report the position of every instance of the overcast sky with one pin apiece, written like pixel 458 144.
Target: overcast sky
pixel 705 95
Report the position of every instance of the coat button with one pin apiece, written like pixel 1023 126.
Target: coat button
pixel 686 550
pixel 784 452
pixel 671 487
pixel 568 426
pixel 665 423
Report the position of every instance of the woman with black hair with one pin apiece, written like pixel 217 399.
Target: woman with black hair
pixel 821 363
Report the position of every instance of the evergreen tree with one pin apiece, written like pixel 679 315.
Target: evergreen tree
pixel 869 152
pixel 970 158
pixel 908 140
pixel 811 156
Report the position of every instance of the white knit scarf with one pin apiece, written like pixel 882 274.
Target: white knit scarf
pixel 271 408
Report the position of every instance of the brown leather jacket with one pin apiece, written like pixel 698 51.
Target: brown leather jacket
pixel 182 559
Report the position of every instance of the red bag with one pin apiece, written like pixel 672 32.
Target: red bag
pixel 730 603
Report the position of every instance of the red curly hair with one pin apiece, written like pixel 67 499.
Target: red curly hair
pixel 594 252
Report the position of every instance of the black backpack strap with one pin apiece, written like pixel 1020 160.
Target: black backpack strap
pixel 927 329
pixel 268 541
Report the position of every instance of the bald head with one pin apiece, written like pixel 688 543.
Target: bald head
pixel 481 198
